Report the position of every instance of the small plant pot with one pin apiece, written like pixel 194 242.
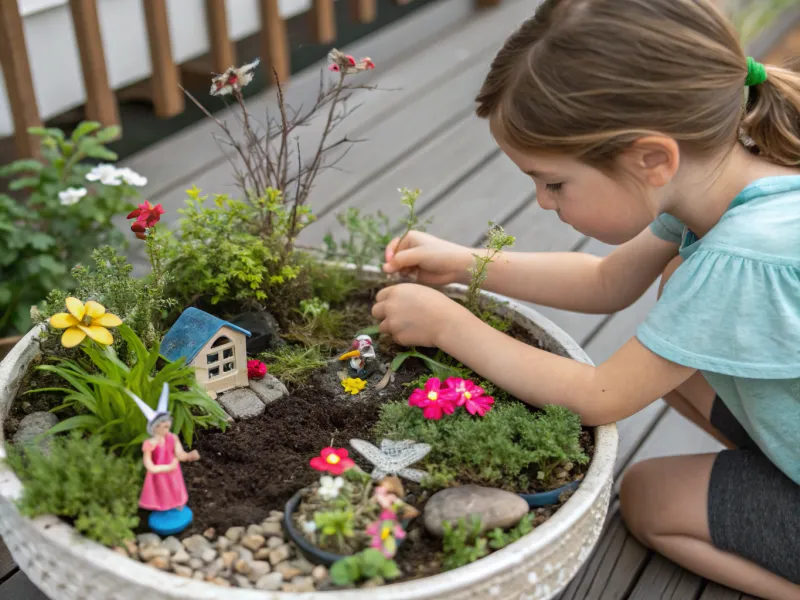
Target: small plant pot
pixel 307 549
pixel 551 497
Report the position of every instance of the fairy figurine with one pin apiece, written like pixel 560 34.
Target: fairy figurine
pixel 164 491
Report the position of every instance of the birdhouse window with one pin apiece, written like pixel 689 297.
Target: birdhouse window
pixel 227 367
pixel 212 358
pixel 213 372
pixel 227 353
pixel 221 341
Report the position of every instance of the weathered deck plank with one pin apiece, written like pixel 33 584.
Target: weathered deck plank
pixel 664 579
pixel 7 564
pixel 714 591
pixel 19 587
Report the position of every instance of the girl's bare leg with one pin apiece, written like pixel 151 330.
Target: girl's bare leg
pixel 664 503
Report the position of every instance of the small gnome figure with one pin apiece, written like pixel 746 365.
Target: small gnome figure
pixel 362 357
pixel 164 491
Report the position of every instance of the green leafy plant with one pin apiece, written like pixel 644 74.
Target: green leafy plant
pixel 463 543
pixel 511 447
pixel 499 538
pixel 59 221
pixel 77 479
pixel 437 367
pixel 139 302
pixel 294 364
pixel 497 240
pixel 409 199
pixel 366 564
pixel 367 238
pixel 335 527
pixel 97 394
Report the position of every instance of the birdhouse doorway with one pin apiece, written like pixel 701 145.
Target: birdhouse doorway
pixel 221 361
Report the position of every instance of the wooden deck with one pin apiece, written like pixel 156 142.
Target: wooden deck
pixel 424 135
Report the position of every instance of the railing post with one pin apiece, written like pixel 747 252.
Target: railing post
pixel 323 21
pixel 274 47
pixel 167 96
pixel 363 11
pixel 223 53
pixel 19 83
pixel 101 103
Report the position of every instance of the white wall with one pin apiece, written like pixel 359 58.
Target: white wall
pixel 53 52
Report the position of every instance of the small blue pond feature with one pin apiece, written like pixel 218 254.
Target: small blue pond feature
pixel 551 497
pixel 191 332
pixel 170 522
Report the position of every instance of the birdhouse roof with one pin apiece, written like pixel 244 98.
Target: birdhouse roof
pixel 191 332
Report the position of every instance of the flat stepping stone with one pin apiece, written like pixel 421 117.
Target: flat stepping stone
pixel 242 403
pixel 268 389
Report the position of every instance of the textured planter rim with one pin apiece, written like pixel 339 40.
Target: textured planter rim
pixel 67 566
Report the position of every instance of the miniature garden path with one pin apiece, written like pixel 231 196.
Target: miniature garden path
pixel 424 135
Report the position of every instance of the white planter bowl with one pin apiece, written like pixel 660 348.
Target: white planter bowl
pixel 66 566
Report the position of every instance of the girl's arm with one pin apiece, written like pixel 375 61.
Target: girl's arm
pixel 151 467
pixel 182 455
pixel 621 386
pixel 578 281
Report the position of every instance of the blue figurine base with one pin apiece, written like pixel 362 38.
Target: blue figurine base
pixel 170 522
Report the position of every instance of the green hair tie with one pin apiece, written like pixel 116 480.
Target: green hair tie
pixel 756 72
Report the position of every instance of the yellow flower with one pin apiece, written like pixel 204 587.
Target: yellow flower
pixel 85 319
pixel 353 385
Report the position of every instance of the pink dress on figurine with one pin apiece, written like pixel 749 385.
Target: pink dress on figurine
pixel 163 491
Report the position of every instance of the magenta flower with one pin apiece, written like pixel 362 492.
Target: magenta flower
pixel 433 400
pixel 470 396
pixel 385 532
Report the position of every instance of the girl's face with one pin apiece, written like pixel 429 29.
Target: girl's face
pixel 584 197
pixel 162 428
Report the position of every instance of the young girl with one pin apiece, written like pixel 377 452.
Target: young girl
pixel 643 124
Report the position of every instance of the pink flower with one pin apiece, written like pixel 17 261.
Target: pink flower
pixel 333 67
pixel 256 369
pixel 333 460
pixel 433 400
pixel 385 532
pixel 470 396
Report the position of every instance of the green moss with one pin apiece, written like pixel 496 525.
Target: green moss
pixel 294 364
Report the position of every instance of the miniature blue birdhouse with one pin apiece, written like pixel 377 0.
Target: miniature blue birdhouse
pixel 214 347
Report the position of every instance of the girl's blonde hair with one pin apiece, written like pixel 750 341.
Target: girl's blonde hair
pixel 587 78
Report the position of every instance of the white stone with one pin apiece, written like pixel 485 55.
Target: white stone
pixel 241 403
pixel 271 582
pixel 269 389
pixel 34 425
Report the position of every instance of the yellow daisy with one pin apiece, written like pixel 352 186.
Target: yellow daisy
pixel 353 385
pixel 85 319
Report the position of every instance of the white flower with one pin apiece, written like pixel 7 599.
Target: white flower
pixel 105 174
pixel 131 177
pixel 329 487
pixel 71 196
pixel 233 79
pixel 309 526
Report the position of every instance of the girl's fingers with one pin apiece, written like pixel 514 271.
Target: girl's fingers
pixel 391 249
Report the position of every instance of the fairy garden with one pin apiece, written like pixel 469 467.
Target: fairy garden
pixel 235 416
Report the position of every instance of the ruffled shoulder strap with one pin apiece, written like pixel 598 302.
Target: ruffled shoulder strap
pixel 731 314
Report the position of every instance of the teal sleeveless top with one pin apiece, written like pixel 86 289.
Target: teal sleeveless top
pixel 732 311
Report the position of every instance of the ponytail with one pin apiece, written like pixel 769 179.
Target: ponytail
pixel 772 119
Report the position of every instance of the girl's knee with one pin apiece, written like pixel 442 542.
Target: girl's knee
pixel 634 497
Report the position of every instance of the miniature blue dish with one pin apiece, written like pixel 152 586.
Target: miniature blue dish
pixel 170 522
pixel 551 497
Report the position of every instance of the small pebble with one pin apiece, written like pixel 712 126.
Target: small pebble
pixel 214 569
pixel 302 564
pixel 255 530
pixel 274 542
pixel 223 544
pixel 229 558
pixel 210 533
pixel 288 571
pixel 181 557
pixel 148 539
pixel 253 542
pixel 132 548
pixel 319 573
pixel 208 555
pixel 242 566
pixel 196 563
pixel 299 584
pixel 279 555
pixel 196 544
pixel 258 569
pixel 235 534
pixel 152 552
pixel 172 544
pixel 183 571
pixel 271 582
pixel 263 553
pixel 244 553
pixel 222 582
pixel 199 575
pixel 275 514
pixel 242 581
pixel 122 551
pixel 159 563
pixel 272 530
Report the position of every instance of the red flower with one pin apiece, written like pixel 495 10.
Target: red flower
pixel 433 400
pixel 333 67
pixel 146 216
pixel 351 60
pixel 256 369
pixel 333 460
pixel 139 229
pixel 470 396
pixel 368 63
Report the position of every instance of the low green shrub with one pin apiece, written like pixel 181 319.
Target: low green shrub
pixel 366 564
pixel 78 480
pixel 293 364
pixel 511 447
pixel 463 543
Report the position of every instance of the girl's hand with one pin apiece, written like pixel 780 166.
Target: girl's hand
pixel 428 259
pixel 193 456
pixel 414 315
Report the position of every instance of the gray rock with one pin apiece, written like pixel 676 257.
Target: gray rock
pixel 181 557
pixel 253 542
pixel 32 426
pixel 288 570
pixel 255 530
pixel 196 545
pixel 214 568
pixel 305 567
pixel 258 569
pixel 242 581
pixel 271 582
pixel 300 584
pixel 152 552
pixel 269 389
pixel 148 539
pixel 196 563
pixel 241 403
pixel 496 508
pixel 272 530
pixel 173 544
pixel 183 571
pixel 223 544
pixel 244 553
pixel 235 534
pixel 274 542
pixel 279 555
pixel 208 555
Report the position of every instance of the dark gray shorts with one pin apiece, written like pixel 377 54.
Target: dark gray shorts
pixel 753 507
